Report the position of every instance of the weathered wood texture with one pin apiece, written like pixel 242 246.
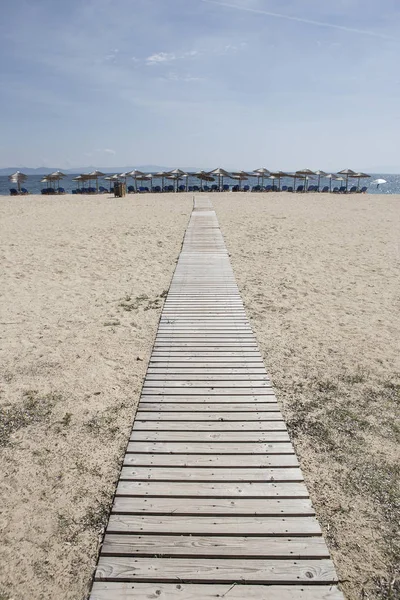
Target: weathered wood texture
pixel 210 501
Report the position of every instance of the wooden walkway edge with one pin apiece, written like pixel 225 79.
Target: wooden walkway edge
pixel 211 501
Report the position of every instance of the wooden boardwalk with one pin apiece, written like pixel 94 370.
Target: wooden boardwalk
pixel 211 501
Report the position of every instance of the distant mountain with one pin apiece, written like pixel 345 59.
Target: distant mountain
pixel 47 170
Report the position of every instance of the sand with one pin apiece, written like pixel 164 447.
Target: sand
pixel 319 276
pixel 82 286
pixel 81 293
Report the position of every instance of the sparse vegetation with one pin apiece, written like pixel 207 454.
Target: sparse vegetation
pixel 34 408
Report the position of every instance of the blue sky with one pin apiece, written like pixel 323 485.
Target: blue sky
pixel 238 83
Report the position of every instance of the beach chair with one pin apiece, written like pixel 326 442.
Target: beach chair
pixel 284 188
pixel 235 188
pixel 157 189
pixel 225 187
pixel 131 189
pixel 51 191
pixel 246 188
pixel 353 189
pixel 14 192
pixel 181 188
pixel 60 190
pixel 256 188
pixel 300 188
pixel 290 188
pixel 214 188
pixel 268 188
pixel 170 188
pixel 206 188
pixel 363 190
pixel 335 190
pixel 196 188
pixel 325 189
pixel 342 189
pixel 24 191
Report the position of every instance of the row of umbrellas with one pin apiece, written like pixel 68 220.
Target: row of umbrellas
pixel 177 175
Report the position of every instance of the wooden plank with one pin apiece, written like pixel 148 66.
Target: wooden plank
pixel 230 591
pixel 214 506
pixel 204 406
pixel 197 372
pixel 211 447
pixel 227 427
pixel 199 525
pixel 203 383
pixel 217 546
pixel 212 490
pixel 212 570
pixel 202 391
pixel 200 399
pixel 210 436
pixel 220 416
pixel 217 461
pixel 231 475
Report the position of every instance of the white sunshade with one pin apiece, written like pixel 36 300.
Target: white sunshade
pixel 177 172
pixel 17 176
pixel 220 172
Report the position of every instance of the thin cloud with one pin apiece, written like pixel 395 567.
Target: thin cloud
pixel 160 57
pixel 301 20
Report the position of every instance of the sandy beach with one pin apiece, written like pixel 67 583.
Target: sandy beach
pixel 82 289
pixel 319 277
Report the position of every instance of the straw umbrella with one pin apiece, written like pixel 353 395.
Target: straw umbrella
pixel 18 178
pixel 135 173
pixel 241 176
pixel 320 174
pixel 203 176
pixel 46 181
pixel 307 173
pixel 331 178
pixel 177 174
pixel 263 172
pixel 56 176
pixel 95 175
pixel 221 174
pixel 112 179
pixel 161 175
pixel 348 173
pixel 359 176
pixel 278 175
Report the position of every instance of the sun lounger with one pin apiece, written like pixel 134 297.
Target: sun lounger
pixel 214 188
pixel 131 189
pixel 363 190
pixel 342 189
pixel 284 188
pixel 335 190
pixel 325 189
pixel 14 192
pixel 225 187
pixel 24 191
pixel 206 188
pixel 300 188
pixel 290 188
pixel 353 189
pixel 246 188
pixel 181 188
pixel 61 190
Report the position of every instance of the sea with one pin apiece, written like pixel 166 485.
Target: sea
pixel 34 186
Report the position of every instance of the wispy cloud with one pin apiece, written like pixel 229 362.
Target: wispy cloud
pixel 167 57
pixel 160 57
pixel 301 20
